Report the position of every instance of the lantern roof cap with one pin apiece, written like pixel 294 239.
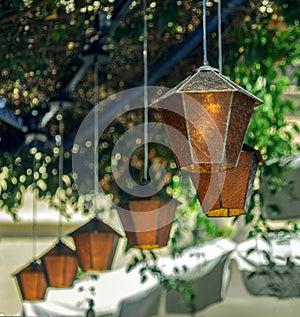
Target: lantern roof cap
pixel 205 79
pixel 154 193
pixel 34 265
pixel 208 79
pixel 94 225
pixel 149 198
pixel 59 248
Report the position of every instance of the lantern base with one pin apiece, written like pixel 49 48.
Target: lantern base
pixel 95 270
pixel 148 246
pixel 225 212
pixel 34 299
pixel 61 286
pixel 207 167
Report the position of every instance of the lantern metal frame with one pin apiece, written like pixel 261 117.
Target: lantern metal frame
pixel 212 113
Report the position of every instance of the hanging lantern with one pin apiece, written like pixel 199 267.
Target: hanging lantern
pixel 228 193
pixel 32 281
pixel 147 221
pixel 213 114
pixel 96 244
pixel 61 265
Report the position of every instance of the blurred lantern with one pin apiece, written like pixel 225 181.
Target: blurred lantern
pixel 32 281
pixel 147 221
pixel 281 192
pixel 60 261
pixel 61 265
pixel 96 244
pixel 228 193
pixel 213 114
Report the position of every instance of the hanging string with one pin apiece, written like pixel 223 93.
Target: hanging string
pixel 145 60
pixel 96 133
pixel 59 143
pixel 220 36
pixel 205 61
pixel 34 206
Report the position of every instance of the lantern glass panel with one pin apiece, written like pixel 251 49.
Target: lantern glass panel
pixel 212 113
pixel 96 244
pixel 94 250
pixel 147 222
pixel 227 194
pixel 61 266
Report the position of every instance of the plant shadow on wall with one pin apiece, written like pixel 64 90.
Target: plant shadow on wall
pixel 280 281
pixel 271 266
pixel 88 292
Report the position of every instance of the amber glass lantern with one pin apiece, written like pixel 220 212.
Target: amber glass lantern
pixel 32 281
pixel 147 221
pixel 96 244
pixel 61 265
pixel 213 114
pixel 228 193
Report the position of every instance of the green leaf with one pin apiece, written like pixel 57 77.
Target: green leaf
pixel 290 263
pixel 249 217
pixel 251 250
pixel 251 275
pixel 144 278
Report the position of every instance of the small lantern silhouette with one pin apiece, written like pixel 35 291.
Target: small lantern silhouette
pixel 96 244
pixel 213 114
pixel 91 312
pixel 32 281
pixel 147 221
pixel 228 193
pixel 61 265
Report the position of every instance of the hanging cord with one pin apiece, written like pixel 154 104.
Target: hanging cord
pixel 60 144
pixel 145 59
pixel 34 206
pixel 220 36
pixel 96 133
pixel 205 61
